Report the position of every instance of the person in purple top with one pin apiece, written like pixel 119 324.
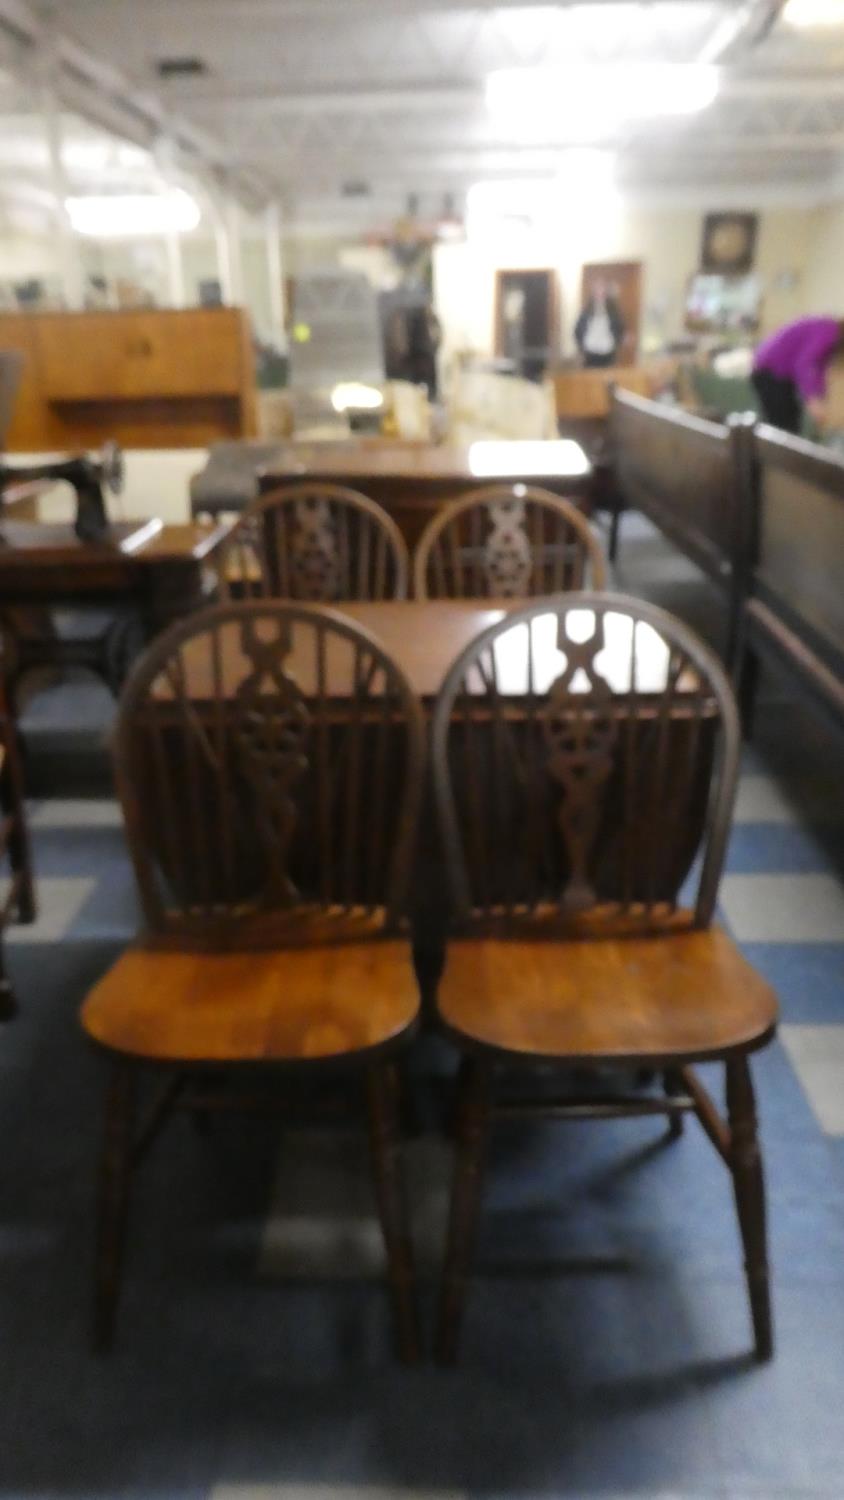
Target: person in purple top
pixel 789 371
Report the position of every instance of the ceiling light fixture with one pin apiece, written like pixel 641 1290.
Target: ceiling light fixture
pixel 806 13
pixel 587 101
pixel 133 215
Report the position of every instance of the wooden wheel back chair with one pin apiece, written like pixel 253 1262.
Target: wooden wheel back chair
pixel 315 542
pixel 507 541
pixel 612 746
pixel 269 760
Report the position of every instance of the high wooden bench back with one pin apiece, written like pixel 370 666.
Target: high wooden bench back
pixel 793 612
pixel 691 478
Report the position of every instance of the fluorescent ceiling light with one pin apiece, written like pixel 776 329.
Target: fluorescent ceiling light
pixel 130 215
pixel 814 13
pixel 587 101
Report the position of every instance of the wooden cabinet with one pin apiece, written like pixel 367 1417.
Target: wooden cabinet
pixel 148 378
pixel 30 422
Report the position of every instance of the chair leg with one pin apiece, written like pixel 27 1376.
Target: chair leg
pixel 747 688
pixel 8 1004
pixel 385 1146
pixel 673 1084
pixel 748 1180
pixel 615 527
pixel 115 1170
pixel 472 1131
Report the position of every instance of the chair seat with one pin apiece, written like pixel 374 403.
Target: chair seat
pixel 680 996
pixel 283 1006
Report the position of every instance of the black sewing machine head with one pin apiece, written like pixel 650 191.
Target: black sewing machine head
pixel 89 475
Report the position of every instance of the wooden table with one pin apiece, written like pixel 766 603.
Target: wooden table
pixel 413 480
pixel 148 575
pixel 424 637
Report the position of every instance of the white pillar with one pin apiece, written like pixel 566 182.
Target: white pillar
pixel 166 161
pixel 235 256
pixel 175 270
pixel 275 271
pixel 224 265
pixel 73 280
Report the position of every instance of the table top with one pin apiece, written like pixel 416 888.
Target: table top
pixel 424 637
pixel 24 543
pixel 520 459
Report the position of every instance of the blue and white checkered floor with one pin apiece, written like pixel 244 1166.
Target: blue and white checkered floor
pixel 607 1337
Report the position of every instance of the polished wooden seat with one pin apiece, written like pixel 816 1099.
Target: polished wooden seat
pixel 507 541
pixel 315 541
pixel 684 997
pixel 271 826
pixel 570 831
pixel 297 1004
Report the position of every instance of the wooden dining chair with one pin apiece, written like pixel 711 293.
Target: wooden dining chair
pixel 507 541
pixel 269 759
pixel 585 752
pixel 315 542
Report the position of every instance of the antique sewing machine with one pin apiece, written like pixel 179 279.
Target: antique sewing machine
pixel 127 580
pixel 89 475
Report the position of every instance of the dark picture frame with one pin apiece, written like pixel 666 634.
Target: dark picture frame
pixel 728 246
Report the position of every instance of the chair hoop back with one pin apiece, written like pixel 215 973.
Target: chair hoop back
pixel 316 542
pixel 269 760
pixel 507 541
pixel 585 749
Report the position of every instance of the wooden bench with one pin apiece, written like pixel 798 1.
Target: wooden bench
pixel 691 478
pixel 793 605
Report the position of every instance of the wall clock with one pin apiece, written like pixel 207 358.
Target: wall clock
pixel 729 243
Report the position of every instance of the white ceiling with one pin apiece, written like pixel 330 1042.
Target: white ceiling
pixel 303 96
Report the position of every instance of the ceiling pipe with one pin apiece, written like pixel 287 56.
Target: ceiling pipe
pixel 740 30
pixel 115 98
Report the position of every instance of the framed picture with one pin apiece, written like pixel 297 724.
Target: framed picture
pixel 730 305
pixel 729 243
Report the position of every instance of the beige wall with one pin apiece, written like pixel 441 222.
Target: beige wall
pixel 800 256
pixel 142 261
pixel 665 240
pixel 824 291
